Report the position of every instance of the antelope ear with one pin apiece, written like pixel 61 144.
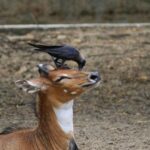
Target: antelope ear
pixel 28 86
pixel 44 69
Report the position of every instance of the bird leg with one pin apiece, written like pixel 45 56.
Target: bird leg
pixel 59 62
pixel 54 60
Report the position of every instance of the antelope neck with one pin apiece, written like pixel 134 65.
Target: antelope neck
pixel 64 116
pixel 56 124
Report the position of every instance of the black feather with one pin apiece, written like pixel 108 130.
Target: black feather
pixel 40 46
pixel 61 52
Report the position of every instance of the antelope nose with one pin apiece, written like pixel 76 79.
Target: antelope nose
pixel 94 76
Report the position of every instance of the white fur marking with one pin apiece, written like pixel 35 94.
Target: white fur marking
pixel 64 116
pixel 74 92
pixel 65 90
pixel 65 75
pixel 40 65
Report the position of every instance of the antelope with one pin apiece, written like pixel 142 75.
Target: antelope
pixel 56 88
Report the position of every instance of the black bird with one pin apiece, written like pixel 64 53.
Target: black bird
pixel 61 53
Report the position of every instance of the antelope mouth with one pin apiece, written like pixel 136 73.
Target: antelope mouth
pixel 93 80
pixel 91 84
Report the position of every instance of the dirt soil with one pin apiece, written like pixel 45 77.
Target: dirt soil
pixel 113 116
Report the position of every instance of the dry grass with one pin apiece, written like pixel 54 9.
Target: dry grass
pixel 112 116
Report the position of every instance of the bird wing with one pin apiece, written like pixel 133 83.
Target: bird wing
pixel 60 51
pixel 44 47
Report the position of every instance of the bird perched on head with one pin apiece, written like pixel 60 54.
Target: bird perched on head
pixel 61 53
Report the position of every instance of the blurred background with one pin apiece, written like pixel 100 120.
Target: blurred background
pixel 113 116
pixel 72 11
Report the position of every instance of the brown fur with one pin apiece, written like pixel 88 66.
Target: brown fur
pixel 48 135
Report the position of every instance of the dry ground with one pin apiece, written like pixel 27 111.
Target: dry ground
pixel 114 116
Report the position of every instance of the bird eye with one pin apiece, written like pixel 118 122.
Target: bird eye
pixel 61 78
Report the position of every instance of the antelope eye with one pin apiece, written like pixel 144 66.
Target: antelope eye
pixel 61 78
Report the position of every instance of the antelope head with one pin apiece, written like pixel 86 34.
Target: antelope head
pixel 60 84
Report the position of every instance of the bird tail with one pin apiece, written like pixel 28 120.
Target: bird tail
pixel 41 47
